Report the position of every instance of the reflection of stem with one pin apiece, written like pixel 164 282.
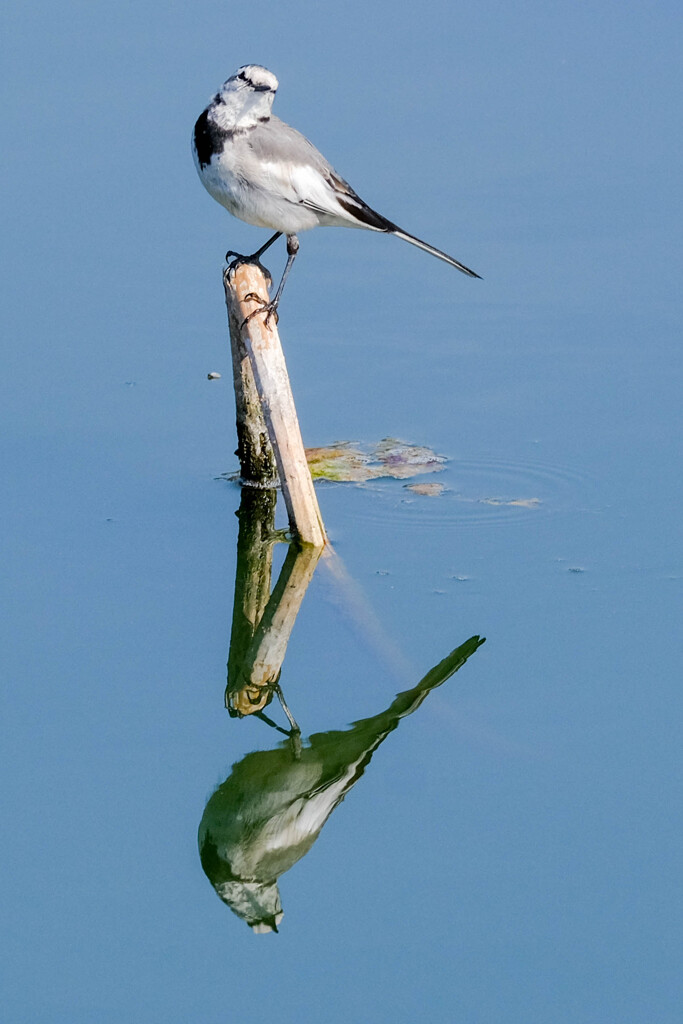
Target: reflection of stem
pixel 252 580
pixel 262 623
pixel 263 660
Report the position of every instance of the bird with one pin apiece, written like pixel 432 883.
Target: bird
pixel 268 174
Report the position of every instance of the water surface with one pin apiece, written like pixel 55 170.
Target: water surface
pixel 512 849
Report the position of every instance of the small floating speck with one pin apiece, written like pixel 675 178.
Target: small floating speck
pixel 575 568
pixel 515 502
pixel 213 375
pixel 428 489
pixel 460 579
pixel 526 502
pixel 381 572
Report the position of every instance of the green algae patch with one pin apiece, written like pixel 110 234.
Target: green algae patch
pixel 351 462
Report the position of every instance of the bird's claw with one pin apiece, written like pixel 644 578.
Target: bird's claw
pixel 269 308
pixel 233 264
pixel 239 259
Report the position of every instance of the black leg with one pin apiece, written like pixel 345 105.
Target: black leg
pixel 290 716
pixel 256 256
pixel 295 733
pixel 260 252
pixel 270 308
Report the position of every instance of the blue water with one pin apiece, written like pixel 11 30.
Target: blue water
pixel 512 851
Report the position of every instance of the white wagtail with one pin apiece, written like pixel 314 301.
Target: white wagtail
pixel 268 174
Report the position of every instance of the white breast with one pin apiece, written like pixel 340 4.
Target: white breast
pixel 255 193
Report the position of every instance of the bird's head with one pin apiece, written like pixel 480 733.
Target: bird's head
pixel 246 98
pixel 254 78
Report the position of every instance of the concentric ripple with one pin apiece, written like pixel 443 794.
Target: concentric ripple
pixel 479 492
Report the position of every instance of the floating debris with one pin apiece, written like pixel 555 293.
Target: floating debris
pixel 430 490
pixel 346 461
pixel 213 375
pixel 525 502
pixel 402 460
pixel 339 461
pixel 515 502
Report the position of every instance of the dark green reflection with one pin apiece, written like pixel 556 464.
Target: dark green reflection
pixel 271 808
pixel 262 622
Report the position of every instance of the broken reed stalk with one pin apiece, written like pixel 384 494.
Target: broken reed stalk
pixel 265 406
pixel 254 450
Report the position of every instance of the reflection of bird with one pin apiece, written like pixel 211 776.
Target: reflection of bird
pixel 270 175
pixel 270 810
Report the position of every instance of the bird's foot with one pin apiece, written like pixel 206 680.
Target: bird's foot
pixel 238 259
pixel 269 308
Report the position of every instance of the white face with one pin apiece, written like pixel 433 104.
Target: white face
pixel 252 77
pixel 246 97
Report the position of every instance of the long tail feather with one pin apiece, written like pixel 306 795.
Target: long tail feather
pixel 369 218
pixel 435 252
